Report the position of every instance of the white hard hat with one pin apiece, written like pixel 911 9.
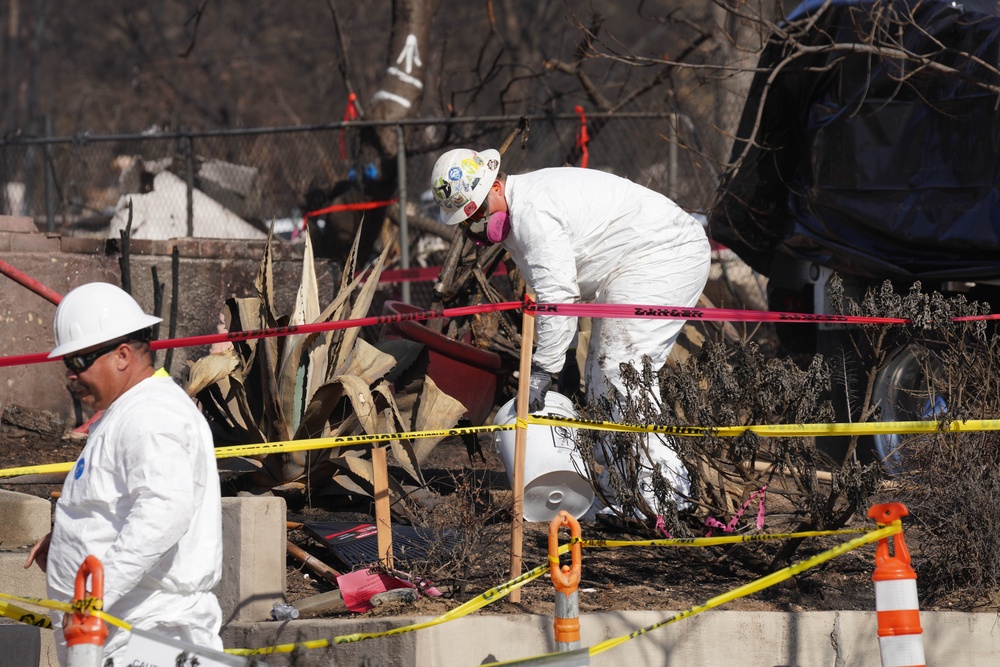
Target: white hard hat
pixel 461 179
pixel 96 313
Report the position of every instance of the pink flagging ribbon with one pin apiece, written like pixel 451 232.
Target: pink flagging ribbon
pixel 729 527
pixel 661 526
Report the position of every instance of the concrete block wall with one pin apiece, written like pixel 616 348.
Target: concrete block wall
pixel 253 557
pixel 26 519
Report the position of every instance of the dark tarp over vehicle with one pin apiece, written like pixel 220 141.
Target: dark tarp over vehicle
pixel 868 163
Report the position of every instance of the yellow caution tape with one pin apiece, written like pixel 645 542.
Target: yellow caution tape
pixel 464 609
pixel 772 430
pixel 24 616
pixel 290 446
pixel 757 584
pixel 347 441
pixel 38 469
pixel 742 591
pixel 715 541
pixel 64 607
pixel 777 430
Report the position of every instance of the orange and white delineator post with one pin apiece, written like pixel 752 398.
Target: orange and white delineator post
pixel 85 634
pixel 566 580
pixel 899 632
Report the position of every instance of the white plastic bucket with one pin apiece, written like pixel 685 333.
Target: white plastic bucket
pixel 551 479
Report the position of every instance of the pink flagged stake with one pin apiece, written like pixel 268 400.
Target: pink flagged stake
pixel 582 137
pixel 350 113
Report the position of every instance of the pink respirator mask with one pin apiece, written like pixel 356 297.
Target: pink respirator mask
pixel 488 232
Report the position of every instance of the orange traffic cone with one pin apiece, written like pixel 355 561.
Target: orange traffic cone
pixel 896 603
pixel 566 581
pixel 85 634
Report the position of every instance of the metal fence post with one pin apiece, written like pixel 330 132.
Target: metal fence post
pixel 672 148
pixel 404 228
pixel 50 186
pixel 187 147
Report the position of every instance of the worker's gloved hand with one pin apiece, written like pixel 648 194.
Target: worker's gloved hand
pixel 538 386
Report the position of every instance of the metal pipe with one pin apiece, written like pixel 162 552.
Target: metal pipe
pixel 672 152
pixel 29 282
pixel 50 186
pixel 189 160
pixel 404 229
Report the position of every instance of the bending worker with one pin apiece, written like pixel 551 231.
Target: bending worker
pixel 144 494
pixel 586 235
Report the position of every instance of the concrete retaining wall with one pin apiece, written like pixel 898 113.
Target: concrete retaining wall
pixel 713 639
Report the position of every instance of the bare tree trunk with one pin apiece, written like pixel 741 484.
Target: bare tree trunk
pixel 398 96
pixel 401 89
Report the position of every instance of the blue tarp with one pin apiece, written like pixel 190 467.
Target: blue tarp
pixel 872 164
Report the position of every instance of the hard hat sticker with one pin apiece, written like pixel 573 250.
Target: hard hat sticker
pixel 442 189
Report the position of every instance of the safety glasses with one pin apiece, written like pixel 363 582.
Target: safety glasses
pixel 78 363
pixel 480 213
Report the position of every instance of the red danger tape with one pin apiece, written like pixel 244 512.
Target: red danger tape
pixel 623 311
pixel 315 327
pixel 560 309
pixel 415 275
pixel 356 206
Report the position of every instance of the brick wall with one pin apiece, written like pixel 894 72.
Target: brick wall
pixel 209 272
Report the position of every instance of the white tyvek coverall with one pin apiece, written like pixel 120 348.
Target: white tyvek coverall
pixel 586 235
pixel 144 498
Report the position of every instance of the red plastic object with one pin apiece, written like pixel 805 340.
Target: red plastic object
pixel 467 373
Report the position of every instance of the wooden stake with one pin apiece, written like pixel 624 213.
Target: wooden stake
pixel 520 443
pixel 383 522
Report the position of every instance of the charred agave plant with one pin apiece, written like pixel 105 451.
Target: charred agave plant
pixel 318 385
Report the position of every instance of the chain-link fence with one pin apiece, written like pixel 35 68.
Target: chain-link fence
pixel 236 184
pixel 232 184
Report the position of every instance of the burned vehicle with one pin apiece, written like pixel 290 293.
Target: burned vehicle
pixel 869 146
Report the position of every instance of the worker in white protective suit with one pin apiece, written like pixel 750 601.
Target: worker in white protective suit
pixel 143 497
pixel 586 235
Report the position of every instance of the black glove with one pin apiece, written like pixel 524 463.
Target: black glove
pixel 538 386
